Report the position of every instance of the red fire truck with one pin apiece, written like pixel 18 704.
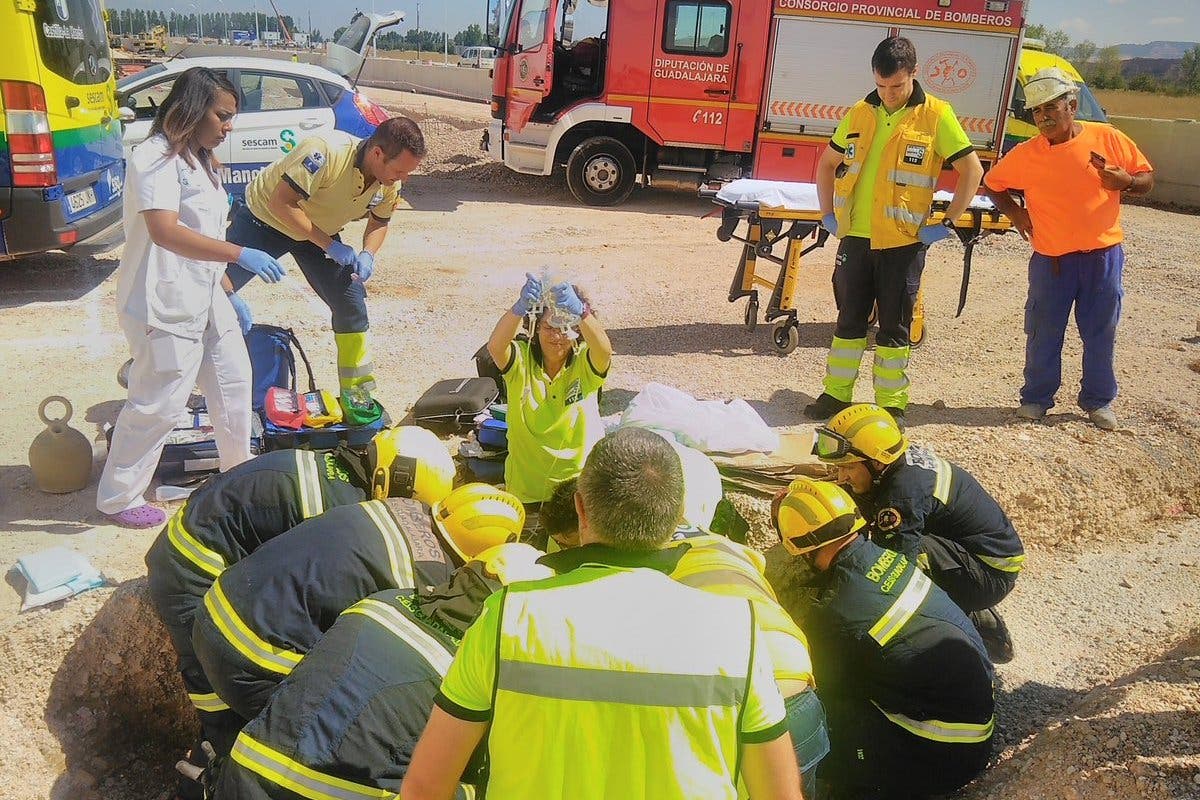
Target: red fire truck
pixel 680 92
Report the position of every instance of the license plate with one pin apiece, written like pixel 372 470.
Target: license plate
pixel 84 198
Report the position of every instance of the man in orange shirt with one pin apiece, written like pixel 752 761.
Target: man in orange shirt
pixel 1072 175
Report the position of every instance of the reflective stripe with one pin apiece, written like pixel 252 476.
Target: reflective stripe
pixel 840 372
pixel 304 781
pixel 939 731
pixel 630 688
pixel 307 473
pixel 839 201
pixel 719 577
pixel 909 178
pixel 436 655
pixel 902 609
pixel 941 484
pixel 849 353
pixel 1009 564
pixel 360 371
pixel 903 215
pixel 400 557
pixel 279 660
pixel 890 383
pixel 854 169
pixel 899 362
pixel 208 702
pixel 208 561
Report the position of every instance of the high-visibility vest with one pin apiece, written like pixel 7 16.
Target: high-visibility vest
pixel 908 172
pixel 716 564
pixel 601 663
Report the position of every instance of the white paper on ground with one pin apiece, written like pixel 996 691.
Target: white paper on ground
pixel 710 426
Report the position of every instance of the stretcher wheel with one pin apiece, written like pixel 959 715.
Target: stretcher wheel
pixel 751 318
pixel 786 336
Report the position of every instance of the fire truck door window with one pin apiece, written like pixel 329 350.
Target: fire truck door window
pixel 697 27
pixel 532 30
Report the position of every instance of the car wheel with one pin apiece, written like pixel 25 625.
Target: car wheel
pixel 601 172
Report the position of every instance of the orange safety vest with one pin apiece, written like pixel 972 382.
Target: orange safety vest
pixel 908 172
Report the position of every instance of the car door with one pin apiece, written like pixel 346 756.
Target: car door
pixel 277 111
pixel 144 99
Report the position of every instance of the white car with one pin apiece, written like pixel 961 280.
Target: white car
pixel 479 57
pixel 281 103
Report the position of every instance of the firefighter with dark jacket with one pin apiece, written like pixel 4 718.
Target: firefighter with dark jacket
pixel 235 512
pixel 905 679
pixel 345 721
pixel 934 512
pixel 264 613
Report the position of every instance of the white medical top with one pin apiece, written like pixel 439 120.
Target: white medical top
pixel 155 286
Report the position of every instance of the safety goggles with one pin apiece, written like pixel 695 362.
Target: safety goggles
pixel 831 446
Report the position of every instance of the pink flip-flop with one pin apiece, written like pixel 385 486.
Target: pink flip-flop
pixel 145 516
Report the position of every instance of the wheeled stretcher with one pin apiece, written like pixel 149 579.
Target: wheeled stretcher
pixel 777 211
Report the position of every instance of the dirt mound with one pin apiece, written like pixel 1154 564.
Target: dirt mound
pixel 116 716
pixel 1134 737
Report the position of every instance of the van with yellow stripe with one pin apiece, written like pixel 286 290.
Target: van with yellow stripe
pixel 62 171
pixel 1033 58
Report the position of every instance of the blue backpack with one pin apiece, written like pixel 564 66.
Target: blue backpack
pixel 273 362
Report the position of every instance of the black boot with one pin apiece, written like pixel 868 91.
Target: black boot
pixel 825 407
pixel 994 633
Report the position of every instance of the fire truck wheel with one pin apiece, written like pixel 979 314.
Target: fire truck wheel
pixel 601 172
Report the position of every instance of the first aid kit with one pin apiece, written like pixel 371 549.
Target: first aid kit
pixel 321 408
pixel 284 408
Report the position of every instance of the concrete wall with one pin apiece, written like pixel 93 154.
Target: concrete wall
pixel 1171 146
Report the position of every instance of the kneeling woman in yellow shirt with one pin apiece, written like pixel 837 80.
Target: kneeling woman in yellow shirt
pixel 553 382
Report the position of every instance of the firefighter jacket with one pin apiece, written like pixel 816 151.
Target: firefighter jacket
pixel 715 564
pixel 922 494
pixel 882 632
pixel 908 169
pixel 264 613
pixel 345 722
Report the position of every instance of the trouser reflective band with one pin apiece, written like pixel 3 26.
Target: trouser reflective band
pixel 304 781
pixel 354 361
pixel 891 378
pixel 266 655
pixel 894 619
pixel 307 473
pixel 208 702
pixel 1009 564
pixel 939 731
pixel 841 367
pixel 208 561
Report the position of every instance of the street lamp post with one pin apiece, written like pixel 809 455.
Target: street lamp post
pixel 169 23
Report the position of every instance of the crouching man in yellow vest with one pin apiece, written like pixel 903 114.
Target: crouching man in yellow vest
pixel 875 183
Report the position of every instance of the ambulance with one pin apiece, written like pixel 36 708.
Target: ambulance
pixel 683 92
pixel 62 170
pixel 1033 58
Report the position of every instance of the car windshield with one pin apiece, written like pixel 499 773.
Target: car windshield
pixel 137 77
pixel 1089 106
pixel 73 41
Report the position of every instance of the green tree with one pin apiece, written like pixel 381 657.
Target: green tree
pixel 1108 69
pixel 1082 55
pixel 471 37
pixel 1054 40
pixel 1189 71
pixel 1145 82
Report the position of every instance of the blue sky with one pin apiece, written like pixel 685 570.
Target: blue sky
pixel 1103 21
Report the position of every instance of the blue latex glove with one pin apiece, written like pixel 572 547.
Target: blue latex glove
pixel 261 264
pixel 829 223
pixel 531 294
pixel 566 299
pixel 242 309
pixel 342 253
pixel 364 267
pixel 930 234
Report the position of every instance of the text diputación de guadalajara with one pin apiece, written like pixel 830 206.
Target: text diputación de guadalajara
pixel 691 69
pixel 894 12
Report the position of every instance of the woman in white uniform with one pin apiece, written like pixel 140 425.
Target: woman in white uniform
pixel 182 328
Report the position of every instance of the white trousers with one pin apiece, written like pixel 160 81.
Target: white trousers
pixel 165 368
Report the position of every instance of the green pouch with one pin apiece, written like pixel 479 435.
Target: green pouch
pixel 359 408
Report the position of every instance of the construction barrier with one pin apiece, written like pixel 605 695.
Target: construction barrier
pixel 1171 145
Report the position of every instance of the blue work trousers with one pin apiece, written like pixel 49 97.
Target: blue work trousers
pixel 1091 282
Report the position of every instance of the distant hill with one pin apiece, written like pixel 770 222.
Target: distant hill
pixel 1156 50
pixel 1158 67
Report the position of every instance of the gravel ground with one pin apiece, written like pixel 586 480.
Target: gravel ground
pixel 1102 697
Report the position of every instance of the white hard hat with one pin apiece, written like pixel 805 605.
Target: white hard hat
pixel 1047 84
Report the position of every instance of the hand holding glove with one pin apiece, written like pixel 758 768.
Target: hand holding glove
pixel 364 267
pixel 567 300
pixel 933 233
pixel 342 253
pixel 242 309
pixel 261 264
pixel 829 223
pixel 531 295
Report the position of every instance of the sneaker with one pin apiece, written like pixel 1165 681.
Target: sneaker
pixel 144 516
pixel 897 414
pixel 1103 418
pixel 1031 411
pixel 993 631
pixel 825 407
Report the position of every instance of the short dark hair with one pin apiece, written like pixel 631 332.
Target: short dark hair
pixel 893 54
pixel 396 135
pixel 632 489
pixel 558 515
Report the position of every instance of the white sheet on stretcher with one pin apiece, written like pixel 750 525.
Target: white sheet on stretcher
pixel 800 196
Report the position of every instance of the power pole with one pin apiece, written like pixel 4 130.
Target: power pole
pixel 418 30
